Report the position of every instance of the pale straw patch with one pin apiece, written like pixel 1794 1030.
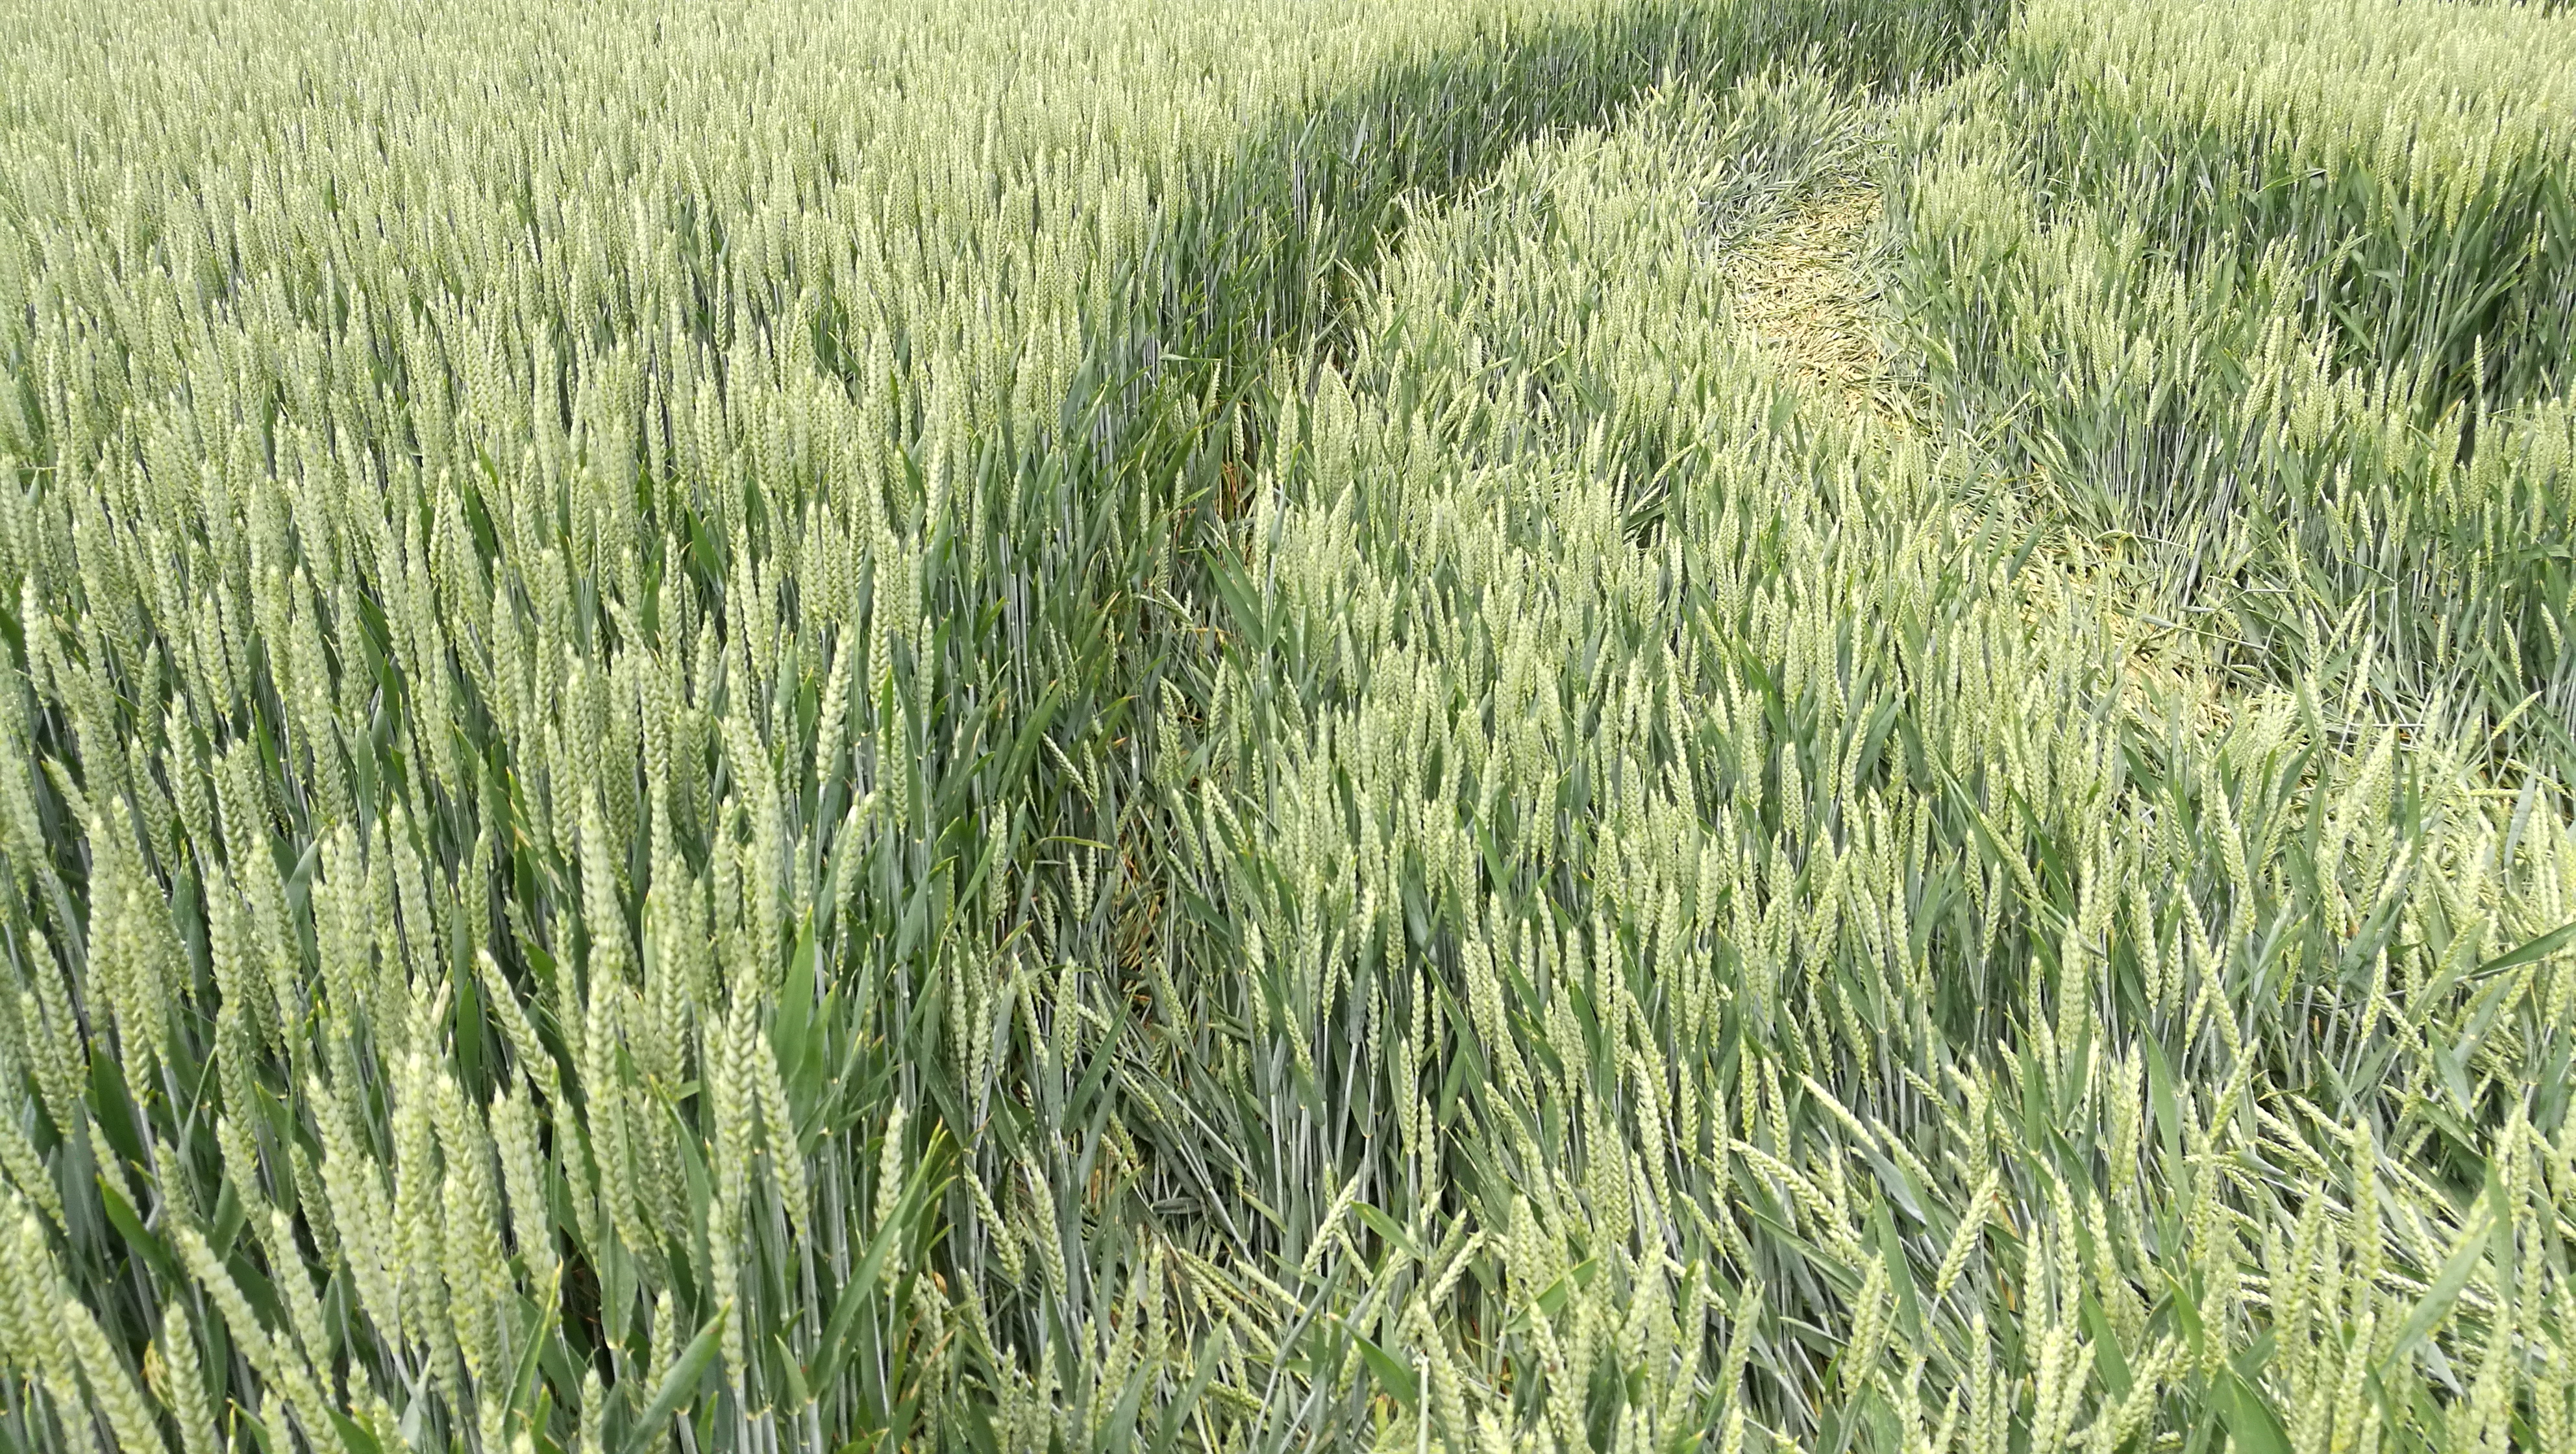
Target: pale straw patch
pixel 1802 290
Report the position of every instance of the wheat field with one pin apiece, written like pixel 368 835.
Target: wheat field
pixel 1484 725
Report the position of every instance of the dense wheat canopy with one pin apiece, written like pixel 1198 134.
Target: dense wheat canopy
pixel 1487 724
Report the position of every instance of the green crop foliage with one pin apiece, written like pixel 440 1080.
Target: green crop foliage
pixel 1016 727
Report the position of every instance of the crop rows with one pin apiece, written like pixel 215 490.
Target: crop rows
pixel 1068 727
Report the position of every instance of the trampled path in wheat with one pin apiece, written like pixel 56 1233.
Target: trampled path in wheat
pixel 1811 286
pixel 1584 725
pixel 1802 285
